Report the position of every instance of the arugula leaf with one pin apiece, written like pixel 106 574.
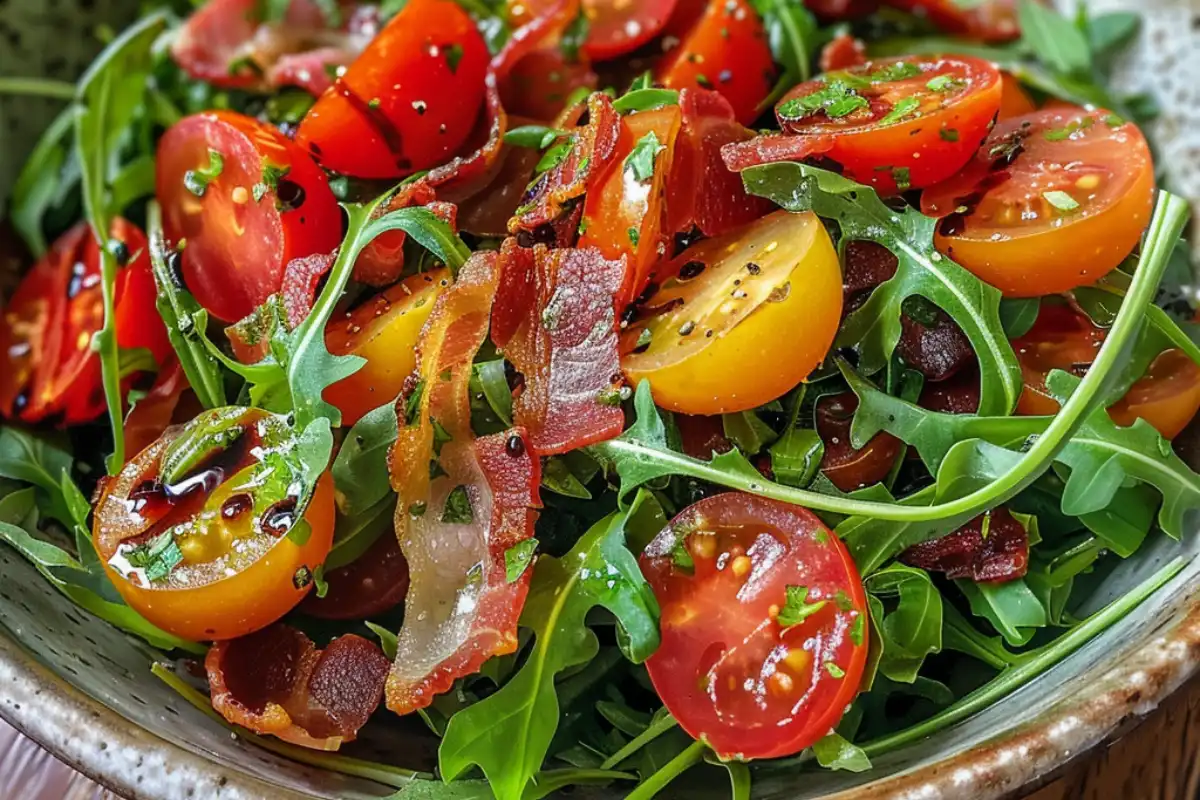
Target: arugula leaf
pixel 43 461
pixel 961 636
pixel 1052 38
pixel 538 137
pixel 107 98
pixel 645 100
pixel 836 753
pixel 42 182
pixel 354 535
pixel 796 457
pixel 794 39
pixel 1017 315
pixel 747 430
pixel 360 470
pixel 1011 607
pixel 508 733
pixel 874 329
pixel 914 629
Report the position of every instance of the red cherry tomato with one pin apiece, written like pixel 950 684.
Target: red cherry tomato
pixel 540 83
pixel 764 625
pixel 896 124
pixel 623 213
pixel 989 20
pixel 242 201
pixel 725 50
pixel 409 102
pixel 848 468
pixel 47 366
pixel 1053 200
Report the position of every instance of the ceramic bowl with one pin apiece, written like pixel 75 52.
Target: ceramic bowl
pixel 84 691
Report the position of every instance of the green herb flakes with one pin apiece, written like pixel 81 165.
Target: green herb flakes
pixel 1061 200
pixel 196 181
pixel 457 510
pixel 797 608
pixel 518 558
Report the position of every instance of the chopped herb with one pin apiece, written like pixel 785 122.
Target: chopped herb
pixel 271 175
pixel 417 510
pixel 845 106
pixel 681 557
pixel 836 98
pixel 157 557
pixel 834 670
pixel 943 83
pixel 555 155
pixel 445 374
pixel 702 80
pixel 1065 132
pixel 196 181
pixel 633 237
pixel 458 509
pixel 1061 200
pixel 643 339
pixel 413 404
pixel 858 629
pixel 948 134
pixel 534 136
pixel 517 559
pixel 302 578
pixel 899 71
pixel 440 436
pixel 436 471
pixel 905 108
pixel 797 608
pixel 1114 120
pixel 453 54
pixel 903 178
pixel 640 161
pixel 374 103
pixel 609 397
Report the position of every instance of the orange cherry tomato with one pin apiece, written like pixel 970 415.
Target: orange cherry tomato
pixel 241 201
pixel 1053 200
pixel 1014 101
pixel 383 330
pixel 623 213
pixel 219 551
pixel 848 468
pixel 408 102
pixel 47 365
pixel 1167 396
pixel 739 319
pixel 725 50
pixel 764 625
pixel 896 124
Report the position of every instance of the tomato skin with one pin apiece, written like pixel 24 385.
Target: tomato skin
pixel 726 669
pixel 540 83
pixel 1167 396
pixel 932 143
pixel 426 105
pixel 1012 236
pixel 759 349
pixel 237 246
pixel 623 214
pixel 725 50
pixel 989 20
pixel 384 330
pixel 1014 101
pixel 848 468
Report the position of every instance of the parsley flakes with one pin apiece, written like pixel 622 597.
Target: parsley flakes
pixel 640 161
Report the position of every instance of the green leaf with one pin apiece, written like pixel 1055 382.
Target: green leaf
pixel 1061 200
pixel 874 329
pixel 558 478
pixel 354 535
pixel 914 629
pixel 645 100
pixel 508 733
pixel 41 182
pixel 457 510
pixel 387 639
pixel 360 471
pixel 961 636
pixel 518 558
pixel 1092 484
pixel 796 457
pixel 1124 524
pixel 793 36
pixel 640 161
pixel 747 430
pixel 1109 33
pixel 797 608
pixel 43 461
pixel 1017 315
pixel 537 137
pixel 834 752
pixel 1052 38
pixel 1011 607
pixel 905 107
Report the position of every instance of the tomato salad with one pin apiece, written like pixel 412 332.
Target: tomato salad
pixel 616 388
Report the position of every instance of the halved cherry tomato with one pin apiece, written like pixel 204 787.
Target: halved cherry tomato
pixel 1014 101
pixel 241 201
pixel 764 625
pixel 614 27
pixel 896 124
pixel 47 366
pixel 409 102
pixel 540 83
pixel 1167 396
pixel 1053 200
pixel 848 468
pixel 623 212
pixel 739 319
pixel 989 20
pixel 383 330
pixel 725 50
pixel 201 533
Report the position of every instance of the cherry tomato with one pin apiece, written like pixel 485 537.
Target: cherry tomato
pixel 1167 396
pixel 740 319
pixel 1053 200
pixel 200 533
pixel 375 582
pixel 540 83
pixel 241 201
pixel 1014 101
pixel 409 102
pixel 623 213
pixel 614 27
pixel 848 468
pixel 896 124
pixel 764 625
pixel 725 50
pixel 989 20
pixel 47 366
pixel 383 330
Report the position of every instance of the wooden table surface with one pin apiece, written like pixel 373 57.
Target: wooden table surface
pixel 1156 759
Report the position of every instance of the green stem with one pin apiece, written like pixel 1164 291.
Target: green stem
pixel 689 758
pixel 656 729
pixel 1171 214
pixel 1032 665
pixel 38 87
pixel 381 773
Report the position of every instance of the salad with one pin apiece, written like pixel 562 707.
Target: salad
pixel 601 391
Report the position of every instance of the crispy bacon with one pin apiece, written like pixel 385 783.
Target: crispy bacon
pixel 956 395
pixel 462 503
pixel 843 52
pixel 774 147
pixel 1000 555
pixel 299 288
pixel 276 682
pixel 937 347
pixel 373 583
pixel 555 318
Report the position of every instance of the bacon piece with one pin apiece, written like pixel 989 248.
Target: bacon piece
pixel 462 503
pixel 957 395
pixel 276 682
pixel 701 191
pixel 846 467
pixel 1002 555
pixel 155 412
pixel 555 318
pixel 701 436
pixel 299 287
pixel 843 52
pixel 373 583
pixel 774 147
pixel 936 347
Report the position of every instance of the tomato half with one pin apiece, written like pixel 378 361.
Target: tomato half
pixel 539 84
pixel 764 625
pixel 409 102
pixel 1014 101
pixel 738 320
pixel 848 468
pixel 220 550
pixel 725 50
pixel 989 20
pixel 896 124
pixel 241 201
pixel 623 213
pixel 1167 396
pixel 47 366
pixel 1053 200
pixel 383 330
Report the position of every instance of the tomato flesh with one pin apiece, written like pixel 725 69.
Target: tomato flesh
pixel 1053 200
pixel 896 124
pixel 727 668
pixel 738 320
pixel 264 205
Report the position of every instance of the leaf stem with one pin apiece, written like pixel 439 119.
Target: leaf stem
pixel 656 729
pixel 38 87
pixel 397 777
pixel 654 784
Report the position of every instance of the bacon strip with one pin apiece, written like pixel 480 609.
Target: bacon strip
pixel 1002 555
pixel 555 318
pixel 462 503
pixel 774 147
pixel 276 682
